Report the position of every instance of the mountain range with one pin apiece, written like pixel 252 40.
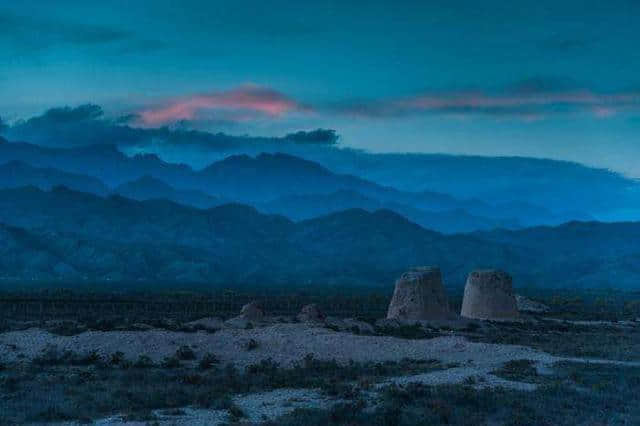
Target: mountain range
pixel 149 188
pixel 94 213
pixel 69 235
pixel 18 173
pixel 280 183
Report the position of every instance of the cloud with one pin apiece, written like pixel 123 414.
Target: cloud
pixel 241 104
pixel 314 137
pixel 530 99
pixel 67 126
pixel 71 115
pixel 87 125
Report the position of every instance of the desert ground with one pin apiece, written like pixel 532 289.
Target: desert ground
pixel 289 369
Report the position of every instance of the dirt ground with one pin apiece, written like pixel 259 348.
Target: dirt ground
pixel 286 344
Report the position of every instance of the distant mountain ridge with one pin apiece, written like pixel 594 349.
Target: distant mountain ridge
pixel 566 189
pixel 149 188
pixel 266 178
pixel 65 234
pixel 302 207
pixel 18 173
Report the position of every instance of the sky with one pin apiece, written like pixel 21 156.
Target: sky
pixel 552 79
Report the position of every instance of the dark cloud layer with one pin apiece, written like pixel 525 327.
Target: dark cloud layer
pixel 86 125
pixel 318 136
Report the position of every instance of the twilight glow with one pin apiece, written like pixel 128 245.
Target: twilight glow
pixel 532 78
pixel 240 104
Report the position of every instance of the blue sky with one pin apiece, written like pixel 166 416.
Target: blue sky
pixel 556 79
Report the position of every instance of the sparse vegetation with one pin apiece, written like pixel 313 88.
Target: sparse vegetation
pixel 170 362
pixel 185 353
pixel 83 392
pixel 208 361
pixel 61 385
pixel 251 344
pixel 519 370
pixel 143 362
pixel 566 339
pixel 605 395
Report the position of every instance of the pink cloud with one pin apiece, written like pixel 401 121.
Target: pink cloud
pixel 526 106
pixel 240 104
pixel 248 103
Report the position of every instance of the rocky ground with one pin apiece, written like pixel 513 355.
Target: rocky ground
pixel 243 342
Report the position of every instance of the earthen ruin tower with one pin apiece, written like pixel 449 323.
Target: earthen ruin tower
pixel 419 295
pixel 488 294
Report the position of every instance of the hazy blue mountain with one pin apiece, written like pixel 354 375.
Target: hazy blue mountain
pixel 270 176
pixel 569 190
pixel 17 173
pixel 301 207
pixel 267 177
pixel 119 238
pixel 24 256
pixel 104 162
pixel 149 188
pixel 47 256
pixel 74 234
pixel 241 178
pixel 560 186
pixel 585 238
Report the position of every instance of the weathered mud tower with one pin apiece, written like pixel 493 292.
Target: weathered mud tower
pixel 488 294
pixel 419 295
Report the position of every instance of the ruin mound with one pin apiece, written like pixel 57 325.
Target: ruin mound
pixel 252 311
pixel 311 313
pixel 419 295
pixel 488 294
pixel 527 305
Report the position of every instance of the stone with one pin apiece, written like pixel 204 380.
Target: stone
pixel 488 294
pixel 250 314
pixel 311 313
pixel 419 295
pixel 252 311
pixel 525 304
